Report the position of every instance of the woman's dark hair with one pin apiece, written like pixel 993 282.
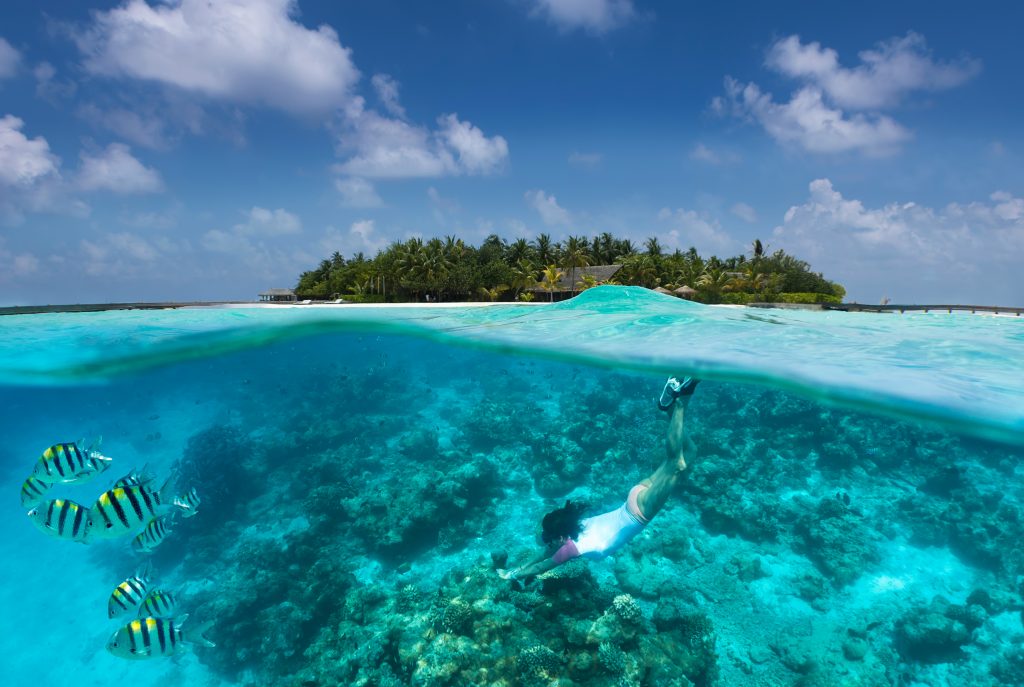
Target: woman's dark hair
pixel 564 522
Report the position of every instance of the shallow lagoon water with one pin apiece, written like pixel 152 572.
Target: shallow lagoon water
pixel 854 514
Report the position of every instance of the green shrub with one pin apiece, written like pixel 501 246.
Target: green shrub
pixel 740 298
pixel 808 298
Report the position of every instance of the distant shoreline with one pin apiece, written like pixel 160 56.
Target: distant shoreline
pixel 173 305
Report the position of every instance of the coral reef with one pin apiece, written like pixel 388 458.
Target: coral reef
pixel 351 536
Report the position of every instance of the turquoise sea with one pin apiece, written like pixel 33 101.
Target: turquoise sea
pixel 853 514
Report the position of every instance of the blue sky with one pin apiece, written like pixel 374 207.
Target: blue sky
pixel 180 150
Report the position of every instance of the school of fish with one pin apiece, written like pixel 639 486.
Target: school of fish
pixel 130 507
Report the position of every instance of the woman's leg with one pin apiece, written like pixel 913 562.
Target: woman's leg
pixel 663 481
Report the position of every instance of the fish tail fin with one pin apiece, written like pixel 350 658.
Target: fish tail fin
pixel 198 637
pixel 145 571
pixel 195 636
pixel 165 495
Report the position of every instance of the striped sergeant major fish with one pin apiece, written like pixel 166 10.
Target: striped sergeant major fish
pixel 135 478
pixel 158 604
pixel 188 503
pixel 69 463
pixel 130 594
pixel 123 510
pixel 151 537
pixel 154 638
pixel 62 519
pixel 33 491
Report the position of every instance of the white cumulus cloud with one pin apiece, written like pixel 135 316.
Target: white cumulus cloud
pixel 593 16
pixel 810 123
pixel 116 169
pixel 839 109
pixel 9 59
pixel 888 72
pixel 551 213
pixel 909 251
pixel 380 147
pixel 241 51
pixel 23 160
pixel 475 152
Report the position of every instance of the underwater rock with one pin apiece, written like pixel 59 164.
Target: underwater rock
pixel 838 541
pixel 559 465
pixel 936 633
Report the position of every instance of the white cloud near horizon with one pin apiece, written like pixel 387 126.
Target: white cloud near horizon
pixel 958 251
pixel 124 255
pixel 592 16
pixel 380 147
pixel 115 169
pixel 888 72
pixel 10 59
pixel 551 213
pixel 361 237
pixel 839 109
pixel 16 264
pixel 687 228
pixel 241 51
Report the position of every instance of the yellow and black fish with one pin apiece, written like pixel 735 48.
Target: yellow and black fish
pixel 154 638
pixel 128 595
pixel 33 491
pixel 62 519
pixel 158 604
pixel 135 478
pixel 151 537
pixel 188 504
pixel 123 510
pixel 68 463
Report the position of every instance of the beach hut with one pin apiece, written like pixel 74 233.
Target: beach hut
pixel 686 292
pixel 662 289
pixel 278 296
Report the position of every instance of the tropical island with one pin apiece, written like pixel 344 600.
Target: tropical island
pixel 449 269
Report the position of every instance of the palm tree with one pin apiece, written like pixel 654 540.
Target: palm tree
pixel 587 281
pixel 653 247
pixel 714 282
pixel 524 276
pixel 575 255
pixel 552 275
pixel 545 250
pixel 518 251
pixel 493 293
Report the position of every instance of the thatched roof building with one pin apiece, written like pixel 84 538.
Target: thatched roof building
pixel 662 289
pixel 685 291
pixel 568 284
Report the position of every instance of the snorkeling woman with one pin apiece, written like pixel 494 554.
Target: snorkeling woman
pixel 566 536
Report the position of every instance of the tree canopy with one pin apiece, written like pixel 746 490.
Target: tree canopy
pixel 448 269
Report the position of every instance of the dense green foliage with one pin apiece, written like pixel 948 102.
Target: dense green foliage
pixel 450 270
